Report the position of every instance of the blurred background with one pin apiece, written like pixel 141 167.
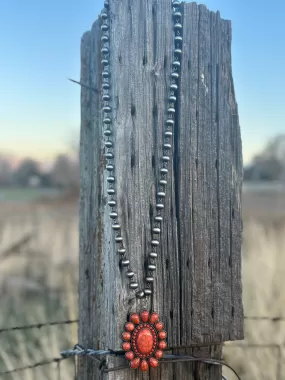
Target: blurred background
pixel 39 178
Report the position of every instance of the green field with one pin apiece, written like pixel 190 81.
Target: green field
pixel 27 194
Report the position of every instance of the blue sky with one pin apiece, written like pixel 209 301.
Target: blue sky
pixel 40 49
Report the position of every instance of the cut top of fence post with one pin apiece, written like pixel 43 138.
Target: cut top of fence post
pixel 197 288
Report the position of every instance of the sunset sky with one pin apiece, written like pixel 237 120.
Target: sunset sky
pixel 40 49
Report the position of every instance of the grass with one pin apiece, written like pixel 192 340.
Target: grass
pixel 38 283
pixel 16 194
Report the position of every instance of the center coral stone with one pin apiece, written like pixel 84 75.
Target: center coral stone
pixel 144 341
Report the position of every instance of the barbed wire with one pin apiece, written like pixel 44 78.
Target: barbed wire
pixel 32 366
pixel 80 351
pixel 67 322
pixel 260 318
pixel 38 325
pixel 95 354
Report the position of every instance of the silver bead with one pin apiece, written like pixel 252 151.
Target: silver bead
pixel 163 182
pixel 148 292
pixel 153 255
pixel 171 110
pixel 104 15
pixel 178 51
pixel 156 230
pixel 105 62
pixel 167 146
pixel 105 50
pixel 176 3
pixel 174 86
pixel 161 194
pixel 109 167
pixel 158 219
pixel 163 171
pixel 105 38
pixel 104 27
pixel 175 63
pixel 178 38
pixel 111 191
pixel 111 179
pixel 107 120
pixel 170 122
pixel 177 14
pixel 155 243
pixel 121 251
pixel 149 279
pixel 151 267
pixel 112 203
pixel 106 4
pixel 116 227
pixel 125 262
pixel 113 215
pixel 105 74
pixel 168 133
pixel 140 294
pixel 130 274
pixel 108 132
pixel 109 155
pixel 118 239
pixel 107 109
pixel 178 26
pixel 166 158
pixel 175 75
pixel 134 285
pixel 160 206
pixel 106 97
pixel 105 86
pixel 108 144
pixel 172 98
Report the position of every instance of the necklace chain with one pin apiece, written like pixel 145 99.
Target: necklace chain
pixel 167 147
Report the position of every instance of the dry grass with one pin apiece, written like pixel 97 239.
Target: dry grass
pixel 38 283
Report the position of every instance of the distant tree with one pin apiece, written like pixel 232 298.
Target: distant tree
pixel 269 164
pixel 27 171
pixel 65 172
pixel 6 172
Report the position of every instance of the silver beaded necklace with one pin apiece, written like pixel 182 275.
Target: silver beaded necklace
pixel 138 323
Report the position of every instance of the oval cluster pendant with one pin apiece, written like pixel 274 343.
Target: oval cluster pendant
pixel 144 340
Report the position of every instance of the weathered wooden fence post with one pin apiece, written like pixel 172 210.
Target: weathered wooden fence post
pixel 197 288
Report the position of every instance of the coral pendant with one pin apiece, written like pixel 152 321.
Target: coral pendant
pixel 144 340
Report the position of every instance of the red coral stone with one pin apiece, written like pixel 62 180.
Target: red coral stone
pixel 158 354
pixel 144 366
pixel 129 355
pixel 144 315
pixel 162 345
pixel 126 336
pixel 144 341
pixel 135 318
pixel 135 363
pixel 126 346
pixel 162 335
pixel 153 318
pixel 159 326
pixel 129 326
pixel 153 362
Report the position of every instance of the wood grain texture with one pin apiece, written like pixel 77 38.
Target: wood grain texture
pixel 197 290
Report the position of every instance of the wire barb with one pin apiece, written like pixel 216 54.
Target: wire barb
pixel 84 85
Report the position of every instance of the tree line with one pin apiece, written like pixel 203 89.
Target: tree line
pixel 64 173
